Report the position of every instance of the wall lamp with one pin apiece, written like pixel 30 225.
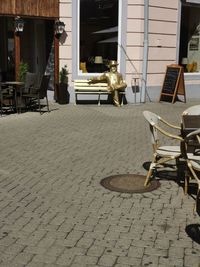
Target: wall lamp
pixel 19 25
pixel 59 28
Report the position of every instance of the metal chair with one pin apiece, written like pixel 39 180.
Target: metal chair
pixel 161 154
pixel 7 98
pixel 38 93
pixel 31 81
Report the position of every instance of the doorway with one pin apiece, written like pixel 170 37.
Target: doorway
pixel 7 49
pixel 37 47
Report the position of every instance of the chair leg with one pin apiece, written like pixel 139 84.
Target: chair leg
pixel 1 105
pixel 150 171
pixel 186 181
pixel 75 99
pixel 197 204
pixel 39 104
pixel 186 184
pixel 148 175
pixel 122 100
pixel 47 104
pixel 99 102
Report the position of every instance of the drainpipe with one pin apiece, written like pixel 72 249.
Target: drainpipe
pixel 145 51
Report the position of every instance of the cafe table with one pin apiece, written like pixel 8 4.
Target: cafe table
pixel 190 146
pixel 17 91
pixel 189 124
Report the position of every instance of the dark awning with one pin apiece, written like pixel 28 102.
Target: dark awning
pixel 32 8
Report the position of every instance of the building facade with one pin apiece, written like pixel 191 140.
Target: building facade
pixel 144 36
pixel 27 36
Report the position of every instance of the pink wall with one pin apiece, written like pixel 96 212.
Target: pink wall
pixel 65 51
pixel 163 17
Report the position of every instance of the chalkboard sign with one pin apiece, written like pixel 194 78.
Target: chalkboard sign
pixel 173 84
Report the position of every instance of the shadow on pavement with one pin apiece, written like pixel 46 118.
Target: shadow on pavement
pixel 165 174
pixel 193 231
pixel 177 176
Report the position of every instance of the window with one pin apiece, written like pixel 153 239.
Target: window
pixel 189 55
pixel 98 35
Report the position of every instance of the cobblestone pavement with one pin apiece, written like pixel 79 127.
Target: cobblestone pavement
pixel 53 210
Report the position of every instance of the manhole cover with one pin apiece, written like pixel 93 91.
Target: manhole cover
pixel 128 183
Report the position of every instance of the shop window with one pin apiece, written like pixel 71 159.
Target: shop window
pixel 189 55
pixel 98 34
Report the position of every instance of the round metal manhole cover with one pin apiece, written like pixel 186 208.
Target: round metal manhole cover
pixel 128 183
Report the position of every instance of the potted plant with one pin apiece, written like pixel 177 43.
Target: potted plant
pixel 62 89
pixel 23 69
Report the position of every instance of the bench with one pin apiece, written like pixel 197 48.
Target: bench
pixel 82 87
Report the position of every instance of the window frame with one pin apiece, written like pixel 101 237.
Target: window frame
pixel 122 18
pixel 187 75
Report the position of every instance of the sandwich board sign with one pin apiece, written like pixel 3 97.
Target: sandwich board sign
pixel 173 84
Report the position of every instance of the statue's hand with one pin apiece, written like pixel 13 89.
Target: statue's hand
pixel 90 81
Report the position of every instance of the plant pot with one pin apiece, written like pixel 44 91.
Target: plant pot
pixel 62 93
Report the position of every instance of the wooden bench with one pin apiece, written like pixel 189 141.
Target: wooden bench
pixel 82 87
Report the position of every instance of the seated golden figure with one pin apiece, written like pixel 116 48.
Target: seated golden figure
pixel 114 79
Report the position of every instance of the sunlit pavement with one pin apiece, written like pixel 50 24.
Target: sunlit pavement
pixel 53 210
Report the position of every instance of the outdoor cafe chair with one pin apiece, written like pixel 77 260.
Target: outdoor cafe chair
pixel 161 153
pixel 38 93
pixel 193 161
pixel 7 98
pixel 31 80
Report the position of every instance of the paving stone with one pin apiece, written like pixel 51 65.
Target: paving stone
pixel 176 252
pixel 171 261
pixel 85 242
pixel 95 251
pixel 53 210
pixel 136 252
pixel 129 261
pixel 23 258
pixel 192 260
pixel 107 260
pixel 150 260
pixel 86 259
pixel 44 259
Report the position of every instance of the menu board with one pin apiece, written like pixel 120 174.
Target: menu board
pixel 173 84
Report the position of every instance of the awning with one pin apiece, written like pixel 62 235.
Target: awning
pixel 193 1
pixel 31 8
pixel 109 40
pixel 108 30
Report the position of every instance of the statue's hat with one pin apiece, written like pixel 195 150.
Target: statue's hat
pixel 112 63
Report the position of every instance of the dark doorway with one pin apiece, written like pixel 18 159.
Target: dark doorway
pixel 7 48
pixel 37 46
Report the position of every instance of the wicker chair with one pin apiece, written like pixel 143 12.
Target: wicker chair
pixel 161 154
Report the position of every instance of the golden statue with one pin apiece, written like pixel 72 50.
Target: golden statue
pixel 114 79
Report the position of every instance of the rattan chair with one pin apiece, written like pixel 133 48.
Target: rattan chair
pixel 161 153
